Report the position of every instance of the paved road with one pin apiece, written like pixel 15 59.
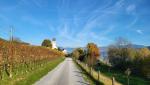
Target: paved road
pixel 64 74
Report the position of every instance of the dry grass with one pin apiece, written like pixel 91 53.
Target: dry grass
pixel 102 78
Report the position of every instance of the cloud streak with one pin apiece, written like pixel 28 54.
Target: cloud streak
pixel 139 31
pixel 94 20
pixel 75 23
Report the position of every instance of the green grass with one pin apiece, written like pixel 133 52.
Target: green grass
pixel 121 77
pixel 31 77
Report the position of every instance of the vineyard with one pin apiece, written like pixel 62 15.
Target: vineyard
pixel 17 58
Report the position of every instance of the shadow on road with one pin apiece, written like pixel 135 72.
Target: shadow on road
pixel 83 83
pixel 96 82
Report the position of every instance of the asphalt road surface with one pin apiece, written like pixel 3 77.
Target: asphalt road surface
pixel 65 73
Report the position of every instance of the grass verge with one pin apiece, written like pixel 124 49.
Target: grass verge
pixel 87 76
pixel 31 77
pixel 121 77
pixel 103 79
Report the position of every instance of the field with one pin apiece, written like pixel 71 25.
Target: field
pixel 121 77
pixel 25 63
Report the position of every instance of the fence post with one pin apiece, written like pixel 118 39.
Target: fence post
pixel 113 80
pixel 128 80
pixel 98 75
pixel 91 70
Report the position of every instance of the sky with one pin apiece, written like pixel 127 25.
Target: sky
pixel 74 23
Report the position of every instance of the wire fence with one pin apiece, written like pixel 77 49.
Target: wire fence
pixel 98 75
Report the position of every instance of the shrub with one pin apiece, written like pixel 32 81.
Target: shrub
pixel 47 43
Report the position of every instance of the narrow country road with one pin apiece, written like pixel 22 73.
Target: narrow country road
pixel 64 74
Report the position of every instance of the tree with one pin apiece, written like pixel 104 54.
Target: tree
pixel 78 53
pixel 144 52
pixel 122 43
pixel 93 54
pixel 144 60
pixel 47 43
pixel 82 54
pixel 75 54
pixel 121 54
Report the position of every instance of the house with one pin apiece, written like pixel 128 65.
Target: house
pixel 64 51
pixel 54 45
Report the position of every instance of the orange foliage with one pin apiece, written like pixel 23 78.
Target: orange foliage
pixel 13 54
pixel 93 53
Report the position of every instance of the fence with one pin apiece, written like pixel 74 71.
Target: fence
pixel 98 75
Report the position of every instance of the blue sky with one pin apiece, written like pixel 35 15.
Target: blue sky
pixel 76 22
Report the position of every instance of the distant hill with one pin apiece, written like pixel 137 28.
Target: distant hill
pixel 148 47
pixel 138 46
pixel 104 49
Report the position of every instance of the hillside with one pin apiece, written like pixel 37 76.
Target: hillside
pixel 1 39
pixel 18 57
pixel 138 46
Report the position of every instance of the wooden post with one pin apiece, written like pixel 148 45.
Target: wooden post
pixel 113 81
pixel 128 80
pixel 98 75
pixel 91 70
pixel 1 73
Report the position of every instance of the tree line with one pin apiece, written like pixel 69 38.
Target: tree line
pixel 122 55
pixel 89 55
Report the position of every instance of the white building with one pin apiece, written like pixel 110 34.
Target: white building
pixel 64 51
pixel 54 46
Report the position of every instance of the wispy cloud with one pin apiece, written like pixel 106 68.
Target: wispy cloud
pixel 94 20
pixel 131 8
pixel 139 31
pixel 76 23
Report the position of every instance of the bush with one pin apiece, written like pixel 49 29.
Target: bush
pixel 47 43
pixel 79 54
